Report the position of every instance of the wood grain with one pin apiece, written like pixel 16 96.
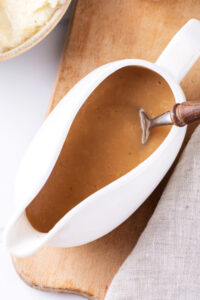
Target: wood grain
pixel 103 31
pixel 185 113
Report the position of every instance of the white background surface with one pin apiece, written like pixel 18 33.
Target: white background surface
pixel 26 84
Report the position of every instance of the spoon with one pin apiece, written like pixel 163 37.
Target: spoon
pixel 180 115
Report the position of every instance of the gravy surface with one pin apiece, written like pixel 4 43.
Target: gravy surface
pixel 104 142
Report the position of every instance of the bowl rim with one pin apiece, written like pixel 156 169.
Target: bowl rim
pixel 39 35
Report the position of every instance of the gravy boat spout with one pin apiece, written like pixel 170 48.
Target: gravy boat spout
pixel 107 208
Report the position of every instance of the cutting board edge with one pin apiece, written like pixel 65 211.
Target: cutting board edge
pixel 30 283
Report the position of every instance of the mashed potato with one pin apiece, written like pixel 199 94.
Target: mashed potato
pixel 20 19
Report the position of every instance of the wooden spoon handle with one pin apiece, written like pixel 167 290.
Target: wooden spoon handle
pixel 185 113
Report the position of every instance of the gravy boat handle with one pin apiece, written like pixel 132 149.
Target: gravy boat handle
pixel 182 51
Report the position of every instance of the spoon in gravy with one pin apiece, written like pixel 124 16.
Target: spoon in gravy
pixel 180 115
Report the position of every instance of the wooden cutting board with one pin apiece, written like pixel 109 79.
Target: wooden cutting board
pixel 103 31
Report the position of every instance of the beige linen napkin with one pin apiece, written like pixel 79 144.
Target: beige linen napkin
pixel 165 264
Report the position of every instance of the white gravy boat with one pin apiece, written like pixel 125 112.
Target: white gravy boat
pixel 104 210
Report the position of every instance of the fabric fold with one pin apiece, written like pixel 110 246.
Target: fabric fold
pixel 165 264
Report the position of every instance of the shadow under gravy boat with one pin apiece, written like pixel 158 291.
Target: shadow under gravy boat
pixel 107 208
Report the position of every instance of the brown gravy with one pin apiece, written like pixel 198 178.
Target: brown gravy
pixel 104 142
